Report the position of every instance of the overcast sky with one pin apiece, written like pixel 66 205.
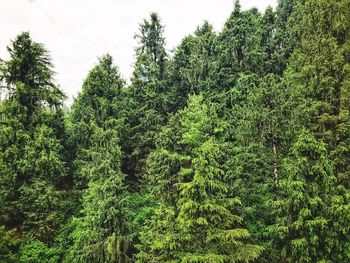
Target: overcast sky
pixel 77 32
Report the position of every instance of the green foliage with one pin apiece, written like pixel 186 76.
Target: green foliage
pixel 191 69
pixel 99 234
pixel 100 103
pixel 152 42
pixel 318 79
pixel 304 211
pixel 100 98
pixel 31 142
pixel 239 48
pixel 146 97
pixel 36 251
pixel 8 245
pixel 197 221
pixel 30 65
pixel 233 149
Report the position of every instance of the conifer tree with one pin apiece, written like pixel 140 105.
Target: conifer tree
pixel 318 76
pixel 100 230
pixel 100 103
pixel 198 221
pixel 97 119
pixel 191 69
pixel 282 39
pixel 8 246
pixel 239 48
pixel 147 98
pixel 31 158
pixel 206 214
pixel 302 230
pixel 234 149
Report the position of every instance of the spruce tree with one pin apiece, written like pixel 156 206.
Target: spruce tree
pixel 209 227
pixel 146 96
pixel 302 229
pixel 97 123
pixel 151 41
pixel 99 103
pixel 318 79
pixel 239 48
pixel 199 220
pixel 100 231
pixel 32 130
pixel 234 149
pixel 191 69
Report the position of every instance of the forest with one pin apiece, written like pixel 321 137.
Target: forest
pixel 235 147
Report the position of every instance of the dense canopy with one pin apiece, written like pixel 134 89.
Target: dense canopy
pixel 233 148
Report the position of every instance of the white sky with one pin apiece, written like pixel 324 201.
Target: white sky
pixel 76 32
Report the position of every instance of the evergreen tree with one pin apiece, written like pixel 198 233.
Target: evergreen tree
pixel 282 39
pixel 318 76
pixel 302 230
pixel 97 119
pixel 207 221
pixel 146 97
pixel 31 158
pixel 100 231
pixel 239 48
pixel 8 246
pixel 234 149
pixel 151 41
pixel 191 69
pixel 100 103
pixel 199 221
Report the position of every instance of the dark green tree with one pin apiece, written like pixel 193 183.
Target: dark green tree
pixel 239 48
pixel 191 67
pixel 32 157
pixel 199 220
pixel 234 149
pixel 318 75
pixel 302 229
pixel 8 246
pixel 101 229
pixel 146 97
pixel 99 103
pixel 151 41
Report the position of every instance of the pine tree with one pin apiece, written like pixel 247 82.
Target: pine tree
pixel 146 97
pixel 100 231
pixel 100 103
pixel 191 68
pixel 302 229
pixel 31 158
pixel 197 221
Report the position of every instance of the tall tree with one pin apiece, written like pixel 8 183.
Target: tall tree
pixel 239 47
pixel 191 69
pixel 146 96
pixel 302 230
pixel 100 230
pixel 32 130
pixel 100 103
pixel 151 41
pixel 198 221
pixel 318 79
